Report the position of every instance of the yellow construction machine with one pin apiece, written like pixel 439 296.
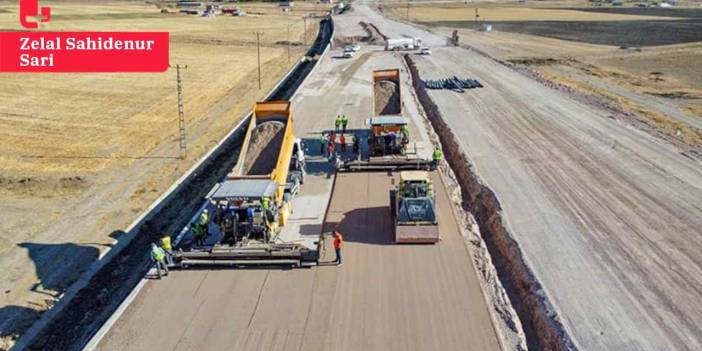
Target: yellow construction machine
pixel 253 203
pixel 413 209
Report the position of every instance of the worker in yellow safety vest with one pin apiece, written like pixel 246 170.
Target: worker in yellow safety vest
pixel 436 157
pixel 167 247
pixel 200 229
pixel 204 217
pixel 266 203
pixel 337 123
pixel 344 123
pixel 158 257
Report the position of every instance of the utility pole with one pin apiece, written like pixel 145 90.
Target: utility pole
pixel 258 53
pixel 181 114
pixel 305 35
pixel 408 8
pixel 289 43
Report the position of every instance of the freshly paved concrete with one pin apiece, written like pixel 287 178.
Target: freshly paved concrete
pixel 384 297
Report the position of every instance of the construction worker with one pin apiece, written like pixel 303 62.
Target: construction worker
pixel 338 243
pixel 354 140
pixel 330 150
pixel 158 257
pixel 405 133
pixel 198 234
pixel 266 203
pixel 167 247
pixel 204 217
pixel 436 157
pixel 344 123
pixel 322 143
pixel 342 141
pixel 337 123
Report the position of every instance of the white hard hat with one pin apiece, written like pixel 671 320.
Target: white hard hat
pixel 205 211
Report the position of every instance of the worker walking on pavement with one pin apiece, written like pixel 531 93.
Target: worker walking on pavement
pixel 342 141
pixel 158 257
pixel 337 123
pixel 344 123
pixel 338 243
pixel 168 248
pixel 436 157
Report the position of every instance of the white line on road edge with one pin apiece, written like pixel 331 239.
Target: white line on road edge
pixel 95 340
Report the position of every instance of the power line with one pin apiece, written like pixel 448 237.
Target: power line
pixel 181 113
pixel 258 54
pixel 305 35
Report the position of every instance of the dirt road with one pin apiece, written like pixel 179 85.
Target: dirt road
pixel 608 217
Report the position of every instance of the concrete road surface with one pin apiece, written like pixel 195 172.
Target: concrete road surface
pixel 608 217
pixel 384 297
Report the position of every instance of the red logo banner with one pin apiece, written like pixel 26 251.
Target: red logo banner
pixel 84 51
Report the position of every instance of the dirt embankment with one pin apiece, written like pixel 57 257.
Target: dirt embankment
pixel 387 98
pixel 542 328
pixel 374 34
pixel 264 147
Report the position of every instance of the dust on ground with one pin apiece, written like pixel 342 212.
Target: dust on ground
pixel 262 154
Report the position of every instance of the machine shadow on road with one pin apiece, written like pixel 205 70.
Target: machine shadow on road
pixel 370 225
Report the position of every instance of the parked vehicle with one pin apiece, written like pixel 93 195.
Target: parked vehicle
pixel 403 43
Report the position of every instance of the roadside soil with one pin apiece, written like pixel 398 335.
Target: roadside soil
pixel 578 188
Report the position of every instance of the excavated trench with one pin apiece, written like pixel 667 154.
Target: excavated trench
pixel 73 327
pixel 541 326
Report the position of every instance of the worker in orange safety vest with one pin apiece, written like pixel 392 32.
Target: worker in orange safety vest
pixel 338 243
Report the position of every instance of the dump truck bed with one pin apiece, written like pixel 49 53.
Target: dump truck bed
pixel 268 145
pixel 387 98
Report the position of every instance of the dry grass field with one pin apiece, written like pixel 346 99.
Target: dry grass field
pixel 494 12
pixel 81 155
